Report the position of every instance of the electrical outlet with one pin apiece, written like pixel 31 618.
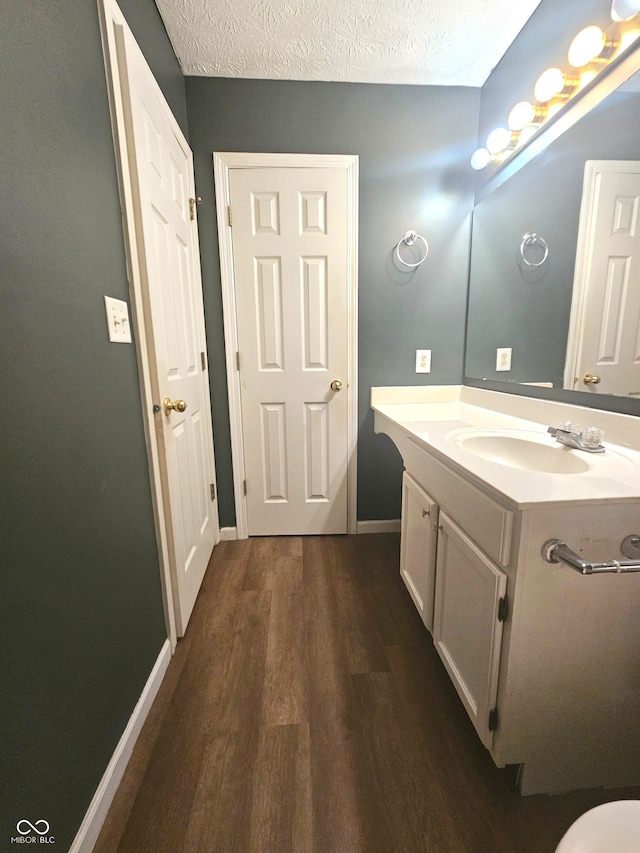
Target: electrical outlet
pixel 423 361
pixel 117 320
pixel 503 358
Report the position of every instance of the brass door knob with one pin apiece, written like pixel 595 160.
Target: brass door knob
pixel 176 406
pixel 336 385
pixel 590 379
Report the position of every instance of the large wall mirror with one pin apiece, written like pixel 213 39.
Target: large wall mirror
pixel 554 291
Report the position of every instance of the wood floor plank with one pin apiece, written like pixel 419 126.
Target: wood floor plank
pixel 234 692
pixel 219 815
pixel 284 700
pixel 307 711
pixel 336 815
pixel 355 608
pixel 302 831
pixel 375 555
pixel 280 817
pixel 398 772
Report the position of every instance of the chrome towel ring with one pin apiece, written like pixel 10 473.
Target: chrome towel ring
pixel 530 240
pixel 409 239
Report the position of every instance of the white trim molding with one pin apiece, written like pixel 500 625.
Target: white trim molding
pixel 112 27
pixel 90 827
pixel 387 526
pixel 222 163
pixel 586 248
pixel 228 534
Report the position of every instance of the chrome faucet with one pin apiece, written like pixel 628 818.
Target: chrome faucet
pixel 571 435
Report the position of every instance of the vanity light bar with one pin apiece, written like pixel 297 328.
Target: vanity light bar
pixel 591 49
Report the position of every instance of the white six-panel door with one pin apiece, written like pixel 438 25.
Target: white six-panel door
pixel 605 337
pixel 167 245
pixel 290 265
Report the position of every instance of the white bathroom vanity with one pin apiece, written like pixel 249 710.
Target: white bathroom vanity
pixel 545 659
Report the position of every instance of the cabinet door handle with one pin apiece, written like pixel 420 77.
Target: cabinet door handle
pixel 425 513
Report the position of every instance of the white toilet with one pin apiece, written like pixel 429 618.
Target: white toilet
pixel 609 828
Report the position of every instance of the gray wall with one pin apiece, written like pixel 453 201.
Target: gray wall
pixel 82 619
pixel 414 145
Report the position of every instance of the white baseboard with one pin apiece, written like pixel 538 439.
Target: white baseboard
pixel 389 526
pixel 103 797
pixel 228 534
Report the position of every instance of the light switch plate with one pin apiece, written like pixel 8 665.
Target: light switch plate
pixel 503 358
pixel 423 361
pixel 118 320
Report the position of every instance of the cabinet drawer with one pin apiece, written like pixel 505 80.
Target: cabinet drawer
pixel 487 522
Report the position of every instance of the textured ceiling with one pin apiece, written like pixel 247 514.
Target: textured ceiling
pixel 432 42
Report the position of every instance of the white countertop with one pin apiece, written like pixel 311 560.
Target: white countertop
pixel 432 417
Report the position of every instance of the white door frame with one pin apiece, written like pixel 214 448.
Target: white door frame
pixel 222 163
pixel 112 22
pixel 584 251
pixel 580 279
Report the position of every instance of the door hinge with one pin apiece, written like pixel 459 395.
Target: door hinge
pixel 493 719
pixel 503 609
pixel 203 361
pixel 192 206
pixel 244 487
pixel 237 361
pixel 212 486
pixel 229 216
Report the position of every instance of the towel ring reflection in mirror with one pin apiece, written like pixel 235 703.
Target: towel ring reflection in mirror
pixel 532 239
pixel 409 239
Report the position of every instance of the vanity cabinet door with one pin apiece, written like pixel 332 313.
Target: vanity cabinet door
pixel 467 632
pixel 418 546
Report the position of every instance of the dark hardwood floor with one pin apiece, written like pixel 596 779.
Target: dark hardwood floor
pixel 306 710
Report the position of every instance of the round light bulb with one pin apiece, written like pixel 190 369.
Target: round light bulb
pixel 624 10
pixel 498 140
pixel 628 39
pixel 521 115
pixel 548 85
pixel 526 134
pixel 586 46
pixel 554 109
pixel 586 77
pixel 480 159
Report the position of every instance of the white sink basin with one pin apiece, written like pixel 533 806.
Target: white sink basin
pixel 528 451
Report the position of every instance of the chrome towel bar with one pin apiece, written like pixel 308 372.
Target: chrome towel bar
pixel 557 551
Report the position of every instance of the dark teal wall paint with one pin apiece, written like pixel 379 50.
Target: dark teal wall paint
pixel 414 145
pixel 82 620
